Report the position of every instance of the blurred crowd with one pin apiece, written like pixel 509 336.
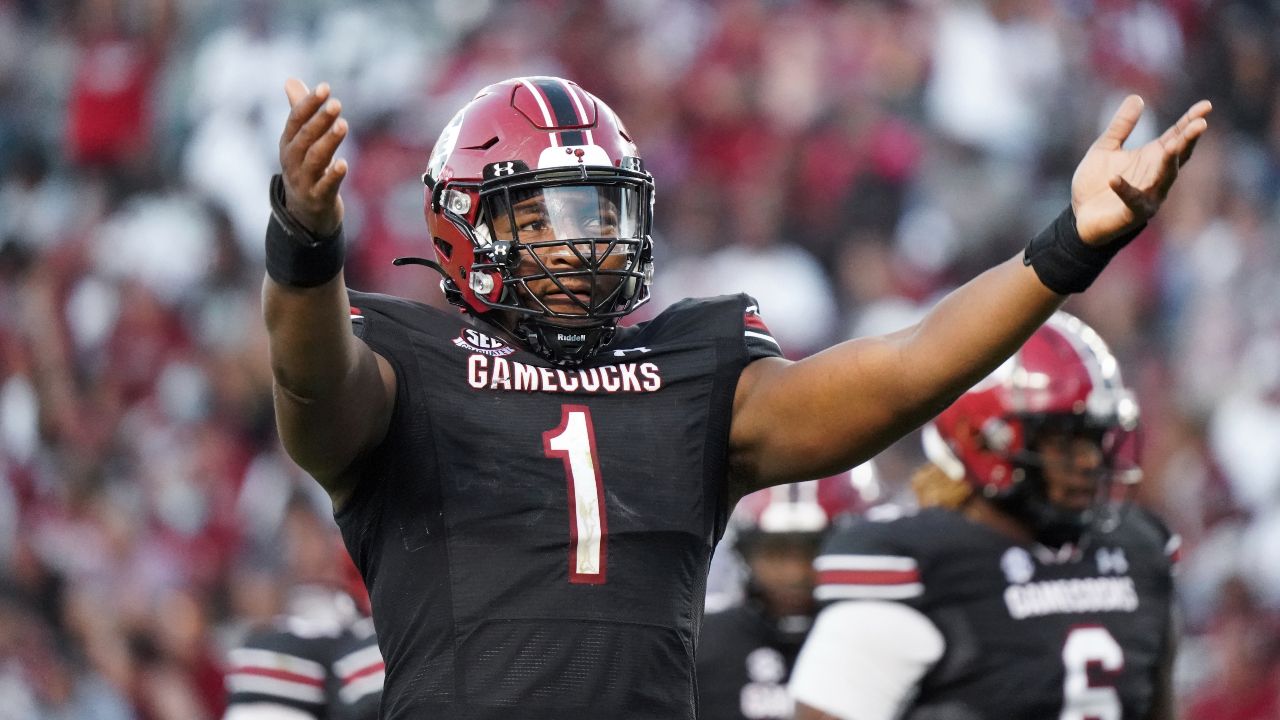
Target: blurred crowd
pixel 844 161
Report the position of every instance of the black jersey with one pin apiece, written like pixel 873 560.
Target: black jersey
pixel 535 539
pixel 1029 633
pixel 324 662
pixel 745 659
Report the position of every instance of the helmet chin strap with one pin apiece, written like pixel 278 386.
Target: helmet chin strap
pixel 560 344
pixel 451 292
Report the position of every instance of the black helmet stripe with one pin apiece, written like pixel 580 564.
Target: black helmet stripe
pixel 562 109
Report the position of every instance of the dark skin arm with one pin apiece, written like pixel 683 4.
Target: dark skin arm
pixel 799 420
pixel 333 394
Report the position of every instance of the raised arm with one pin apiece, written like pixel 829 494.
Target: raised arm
pixel 828 412
pixel 333 394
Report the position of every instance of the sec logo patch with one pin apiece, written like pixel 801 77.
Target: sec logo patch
pixel 478 342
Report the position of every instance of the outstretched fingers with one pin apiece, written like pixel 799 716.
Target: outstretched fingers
pixel 1122 123
pixel 1170 160
pixel 1164 156
pixel 295 90
pixel 1184 133
pixel 303 104
pixel 310 141
pixel 308 147
pixel 328 184
pixel 320 137
pixel 1192 134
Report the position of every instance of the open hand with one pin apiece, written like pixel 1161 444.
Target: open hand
pixel 1116 190
pixel 311 174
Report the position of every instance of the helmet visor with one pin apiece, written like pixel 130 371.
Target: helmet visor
pixel 577 247
pixel 566 212
pixel 1085 468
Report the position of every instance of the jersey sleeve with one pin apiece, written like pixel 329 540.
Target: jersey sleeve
pixel 1172 548
pixel 1151 531
pixel 759 340
pixel 374 320
pixel 863 660
pixel 864 560
pixel 277 668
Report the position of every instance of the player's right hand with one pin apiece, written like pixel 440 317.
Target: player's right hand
pixel 311 174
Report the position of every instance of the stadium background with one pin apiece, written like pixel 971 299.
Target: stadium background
pixel 846 162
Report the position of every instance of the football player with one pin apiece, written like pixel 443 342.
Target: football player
pixel 531 491
pixel 1026 587
pixel 746 651
pixel 320 660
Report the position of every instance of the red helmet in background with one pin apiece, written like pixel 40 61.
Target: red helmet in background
pixel 1064 379
pixel 805 508
pixel 548 138
pixel 352 581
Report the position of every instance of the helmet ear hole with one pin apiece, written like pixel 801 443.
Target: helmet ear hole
pixel 444 248
pixel 997 435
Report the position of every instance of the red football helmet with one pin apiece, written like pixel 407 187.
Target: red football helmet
pixel 535 184
pixel 1063 379
pixel 804 508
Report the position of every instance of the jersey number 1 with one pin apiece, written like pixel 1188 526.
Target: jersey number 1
pixel 574 442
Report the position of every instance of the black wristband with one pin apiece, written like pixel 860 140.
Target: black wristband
pixel 1065 263
pixel 295 255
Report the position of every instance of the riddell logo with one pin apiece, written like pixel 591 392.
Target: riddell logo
pixel 575 338
pixel 478 342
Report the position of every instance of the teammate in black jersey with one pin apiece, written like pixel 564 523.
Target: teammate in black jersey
pixel 1025 589
pixel 747 649
pixel 320 660
pixel 532 492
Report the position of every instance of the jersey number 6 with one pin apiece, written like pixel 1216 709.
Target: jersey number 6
pixel 1090 645
pixel 574 442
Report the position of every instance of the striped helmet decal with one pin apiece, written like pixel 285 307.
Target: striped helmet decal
pixel 562 104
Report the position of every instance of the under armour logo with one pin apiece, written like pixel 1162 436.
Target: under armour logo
pixel 623 352
pixel 504 168
pixel 1112 561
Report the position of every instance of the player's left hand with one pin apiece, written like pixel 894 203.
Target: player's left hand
pixel 1115 190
